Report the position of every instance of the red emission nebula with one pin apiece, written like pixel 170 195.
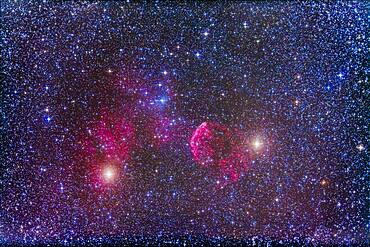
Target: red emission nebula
pixel 110 142
pixel 217 147
pixel 108 146
pixel 116 133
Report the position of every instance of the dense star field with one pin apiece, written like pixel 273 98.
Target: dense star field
pixel 183 123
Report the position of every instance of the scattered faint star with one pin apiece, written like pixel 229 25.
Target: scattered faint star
pixel 238 123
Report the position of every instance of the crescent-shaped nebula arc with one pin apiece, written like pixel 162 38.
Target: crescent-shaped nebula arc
pixel 217 147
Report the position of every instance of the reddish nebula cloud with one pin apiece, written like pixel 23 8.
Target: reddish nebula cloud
pixel 108 143
pixel 214 145
pixel 210 143
pixel 115 137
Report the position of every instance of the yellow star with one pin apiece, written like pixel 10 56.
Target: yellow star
pixel 109 174
pixel 257 144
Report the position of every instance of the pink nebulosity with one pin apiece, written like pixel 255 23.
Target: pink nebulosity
pixel 235 164
pixel 210 143
pixel 108 144
pixel 214 145
pixel 115 137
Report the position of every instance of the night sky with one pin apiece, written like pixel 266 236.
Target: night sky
pixel 164 121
